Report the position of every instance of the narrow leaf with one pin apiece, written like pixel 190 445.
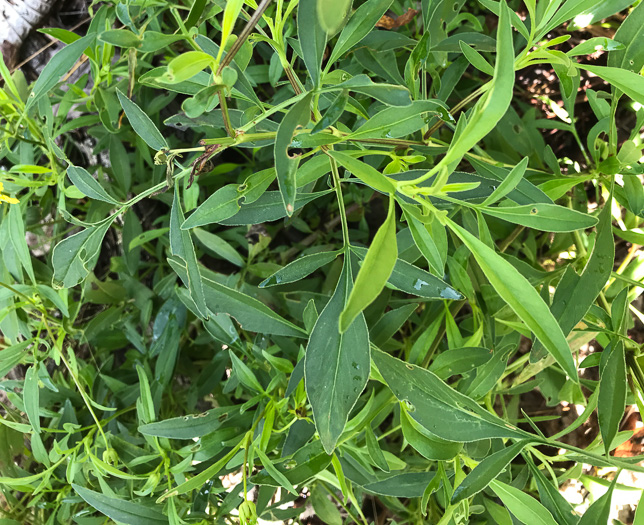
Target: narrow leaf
pixel 545 217
pixel 612 394
pixel 375 270
pixel 88 185
pixel 141 123
pixel 285 164
pixel 336 365
pixel 523 506
pixel 519 294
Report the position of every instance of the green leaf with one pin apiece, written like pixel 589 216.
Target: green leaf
pixel 120 38
pixel 360 25
pixel 476 59
pixel 523 506
pixel 426 444
pixel 413 280
pixel 599 511
pixel 612 394
pixel 332 113
pixel 508 184
pixel 31 397
pixel 274 473
pixel 299 268
pixel 146 236
pixel 389 94
pixel 424 240
pixel 285 164
pixel 585 288
pixel 244 373
pixel 519 294
pixel 545 217
pixel 74 257
pixel 373 449
pixel 489 110
pixel 218 247
pixel 336 365
pixel 58 66
pixel 332 14
pixel 312 38
pixel 189 427
pixel 250 313
pixel 88 185
pixel 120 510
pixel 439 408
pixel 324 509
pixel 375 270
pixel 459 361
pixel 186 66
pixel 486 471
pixel 221 205
pixel 231 13
pixel 630 83
pixel 405 485
pixel 141 123
pixel 16 227
pixel 396 122
pixel 181 246
pixel 364 172
pixel 269 207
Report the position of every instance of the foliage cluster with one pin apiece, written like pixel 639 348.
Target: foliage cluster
pixel 308 256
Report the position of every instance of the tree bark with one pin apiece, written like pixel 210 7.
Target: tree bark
pixel 17 19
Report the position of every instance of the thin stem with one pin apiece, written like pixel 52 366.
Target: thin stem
pixel 248 29
pixel 224 113
pixel 341 209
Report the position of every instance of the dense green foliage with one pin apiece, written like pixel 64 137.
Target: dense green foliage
pixel 306 256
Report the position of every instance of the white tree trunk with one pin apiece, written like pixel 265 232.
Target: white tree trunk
pixel 17 18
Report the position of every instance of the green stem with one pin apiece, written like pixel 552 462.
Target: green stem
pixel 341 209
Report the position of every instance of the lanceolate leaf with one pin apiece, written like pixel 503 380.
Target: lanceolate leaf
pixel 121 510
pixel 88 184
pixel 630 83
pixel 360 24
pixel 416 281
pixel 519 294
pixel 74 257
pixel 612 394
pixel 585 287
pixel 220 206
pixel 364 172
pixel 486 471
pixel 390 94
pixel 375 270
pixel 286 164
pixel 59 65
pixel 299 268
pixel 189 427
pixel 141 123
pixel 312 38
pixel 250 313
pixel 181 246
pixel 523 506
pixel 546 217
pixel 439 408
pixel 336 366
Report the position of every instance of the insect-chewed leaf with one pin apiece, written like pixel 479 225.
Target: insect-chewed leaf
pixel 285 164
pixel 189 427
